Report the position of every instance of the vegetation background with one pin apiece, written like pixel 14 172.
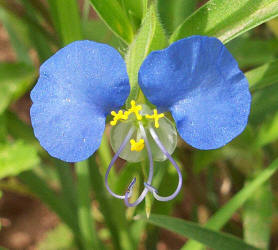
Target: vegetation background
pixel 229 198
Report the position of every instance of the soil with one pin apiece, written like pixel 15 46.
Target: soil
pixel 24 221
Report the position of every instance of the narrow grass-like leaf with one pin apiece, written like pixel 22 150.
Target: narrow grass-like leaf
pixel 134 10
pixel 257 215
pixel 86 222
pixel 97 31
pixel 15 80
pixel 49 197
pixel 227 19
pixel 54 15
pixel 105 205
pixel 173 13
pixel 210 238
pixel 68 187
pixel 3 128
pixel 16 32
pixel 42 10
pixel 222 216
pixel 113 210
pixel 242 48
pixel 28 18
pixel 150 37
pixel 268 131
pixel 273 26
pixel 19 130
pixel 66 17
pixel 263 76
pixel 264 104
pixel 111 12
pixel 38 40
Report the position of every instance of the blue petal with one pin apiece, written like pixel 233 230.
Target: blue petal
pixel 199 82
pixel 77 87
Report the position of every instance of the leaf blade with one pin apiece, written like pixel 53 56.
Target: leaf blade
pixel 13 154
pixel 263 76
pixel 221 217
pixel 15 79
pixel 116 20
pixel 226 19
pixel 210 238
pixel 66 17
pixel 257 213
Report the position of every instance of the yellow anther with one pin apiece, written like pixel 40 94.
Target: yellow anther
pixel 134 109
pixel 137 146
pixel 118 116
pixel 156 117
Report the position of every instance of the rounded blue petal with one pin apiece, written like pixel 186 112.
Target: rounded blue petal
pixel 199 82
pixel 77 88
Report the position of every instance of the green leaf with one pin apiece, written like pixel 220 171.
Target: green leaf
pixel 86 221
pixel 263 76
pixel 3 128
pixel 67 184
pixel 173 13
pixel 273 26
pixel 113 210
pixel 204 158
pixel 264 104
pixel 41 189
pixel 17 35
pixel 16 158
pixel 58 238
pixel 65 14
pixel 20 130
pixel 227 19
pixel 242 48
pixel 41 9
pixel 28 17
pixel 268 131
pixel 134 10
pixel 97 31
pixel 15 80
pixel 114 16
pixel 257 215
pixel 38 40
pixel 150 37
pixel 222 216
pixel 215 240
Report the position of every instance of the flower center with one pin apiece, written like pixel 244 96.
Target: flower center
pixel 151 135
pixel 137 146
pixel 135 109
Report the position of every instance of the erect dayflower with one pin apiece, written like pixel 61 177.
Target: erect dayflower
pixel 196 79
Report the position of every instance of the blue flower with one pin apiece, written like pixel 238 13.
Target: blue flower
pixel 77 88
pixel 196 79
pixel 199 82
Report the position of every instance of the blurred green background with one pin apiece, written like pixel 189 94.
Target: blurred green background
pixel 229 198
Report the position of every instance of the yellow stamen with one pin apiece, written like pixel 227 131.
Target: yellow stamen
pixel 137 146
pixel 118 116
pixel 156 117
pixel 134 109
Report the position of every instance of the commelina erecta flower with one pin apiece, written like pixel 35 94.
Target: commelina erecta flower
pixel 196 79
